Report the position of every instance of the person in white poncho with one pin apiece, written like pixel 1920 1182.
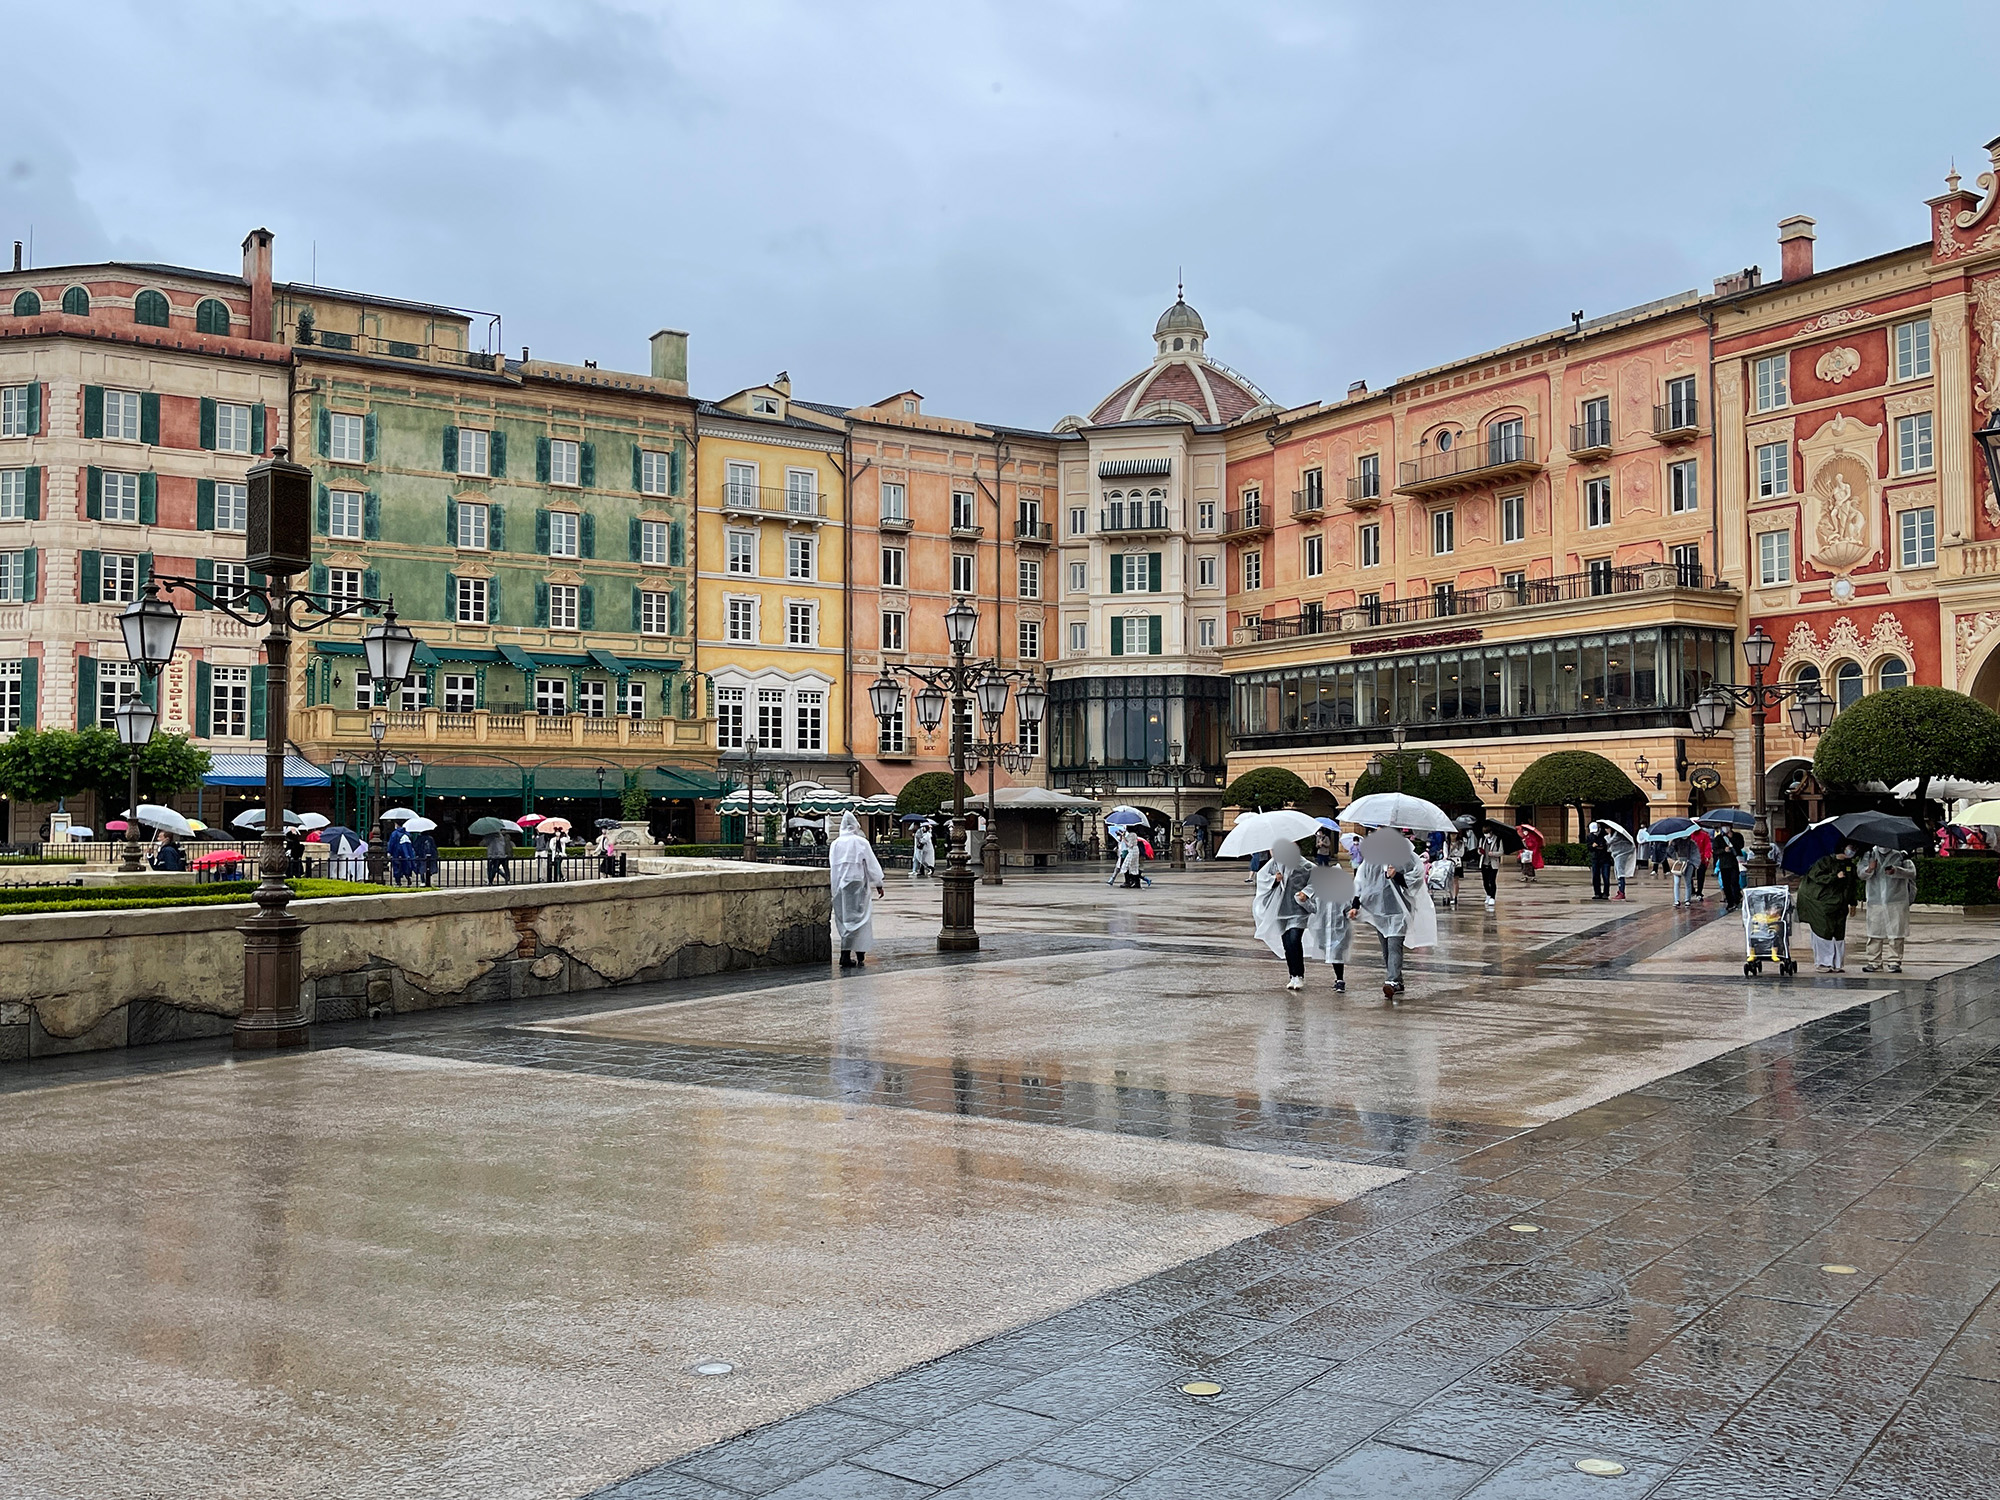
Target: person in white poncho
pixel 1283 906
pixel 1390 895
pixel 855 872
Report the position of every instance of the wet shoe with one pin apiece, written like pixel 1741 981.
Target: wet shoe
pixel 847 960
pixel 1871 968
pixel 1340 986
pixel 1388 992
pixel 1895 968
pixel 1489 903
pixel 1295 984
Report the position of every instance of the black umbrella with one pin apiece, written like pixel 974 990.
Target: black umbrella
pixel 1862 828
pixel 1509 839
pixel 604 823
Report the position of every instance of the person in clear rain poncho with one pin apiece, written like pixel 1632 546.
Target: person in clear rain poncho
pixel 1284 904
pixel 1889 879
pixel 855 872
pixel 1390 895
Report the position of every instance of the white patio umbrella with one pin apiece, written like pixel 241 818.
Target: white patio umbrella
pixel 418 825
pixel 1397 810
pixel 254 818
pixel 163 817
pixel 397 814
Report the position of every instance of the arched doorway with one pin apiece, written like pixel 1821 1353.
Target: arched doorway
pixel 1791 796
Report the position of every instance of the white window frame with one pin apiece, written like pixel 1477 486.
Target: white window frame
pixel 341 583
pixel 346 515
pixel 1204 515
pixel 473 526
pixel 11 687
pixel 232 427
pixel 565 462
pixel 460 692
pixel 117 681
pixel 1028 733
pixel 1774 469
pixel 121 416
pixel 1916 446
pixel 964 510
pixel 739 484
pixel 1204 632
pixel 1684 487
pixel 1771 382
pixel 13 494
pixel 801 557
pixel 656 471
pixel 232 578
pixel 895 568
pixel 1079 520
pixel 1774 558
pixel 1138 572
pixel 232 506
pixel 551 697
pixel 1030 639
pixel 229 703
pixel 653 544
pixel 1253 575
pixel 739 619
pixel 565 534
pixel 1028 578
pixel 771 717
pixel 1513 519
pixel 964 573
pixel 1916 537
pixel 1313 555
pixel 653 612
pixel 474 602
pixel 347 438
pixel 13 578
pixel 631 699
pixel 565 606
pixel 1369 545
pixel 13 423
pixel 740 548
pixel 1597 503
pixel 729 717
pixel 126 588
pixel 1205 572
pixel 895 630
pixel 895 501
pixel 809 719
pixel 1444 531
pixel 416 692
pixel 802 492
pixel 593 698
pixel 1079 637
pixel 1079 577
pixel 801 622
pixel 475 452
pixel 1913 349
pixel 119 497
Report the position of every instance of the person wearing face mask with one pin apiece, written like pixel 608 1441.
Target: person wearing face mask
pixel 1284 905
pixel 1830 887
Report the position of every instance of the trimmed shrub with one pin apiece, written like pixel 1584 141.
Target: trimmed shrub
pixel 51 900
pixel 1265 788
pixel 1570 778
pixel 1900 734
pixel 1962 880
pixel 1565 854
pixel 927 793
pixel 1448 785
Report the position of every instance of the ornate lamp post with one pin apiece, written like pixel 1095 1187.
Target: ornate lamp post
pixel 278 545
pixel 135 718
pixel 1177 773
pixel 377 764
pixel 1096 786
pixel 1376 765
pixel 991 690
pixel 1811 710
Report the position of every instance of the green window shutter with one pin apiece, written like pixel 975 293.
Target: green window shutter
pixel 586 609
pixel 450 519
pixel 586 535
pixel 89 567
pixel 496 529
pixel 257 428
pixel 450 450
pixel 86 692
pixel 208 422
pixel 368 430
pixel 93 411
pixel 35 494
pixel 542 532
pixel 149 690
pixel 201 694
pixel 632 531
pixel 1152 635
pixel 637 461
pixel 1117 635
pixel 93 494
pixel 1152 572
pixel 586 464
pixel 450 597
pixel 676 612
pixel 322 512
pixel 371 583
pixel 541 460
pixel 541 602
pixel 324 427
pixel 493 615
pixel 30 575
pixel 260 682
pixel 149 499
pixel 30 672
pixel 636 610
pixel 1117 574
pixel 149 417
pixel 371 517
pixel 204 572
pixel 35 410
pixel 674 470
pixel 317 578
pixel 204 505
pixel 146 569
pixel 676 545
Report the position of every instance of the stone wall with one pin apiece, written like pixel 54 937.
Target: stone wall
pixel 88 980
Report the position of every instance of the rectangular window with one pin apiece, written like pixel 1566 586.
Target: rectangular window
pixel 1139 635
pixel 1314 493
pixel 1313 556
pixel 1774 469
pixel 652 612
pixel 232 428
pixel 461 693
pixel 1600 575
pixel 1773 382
pixel 1079 520
pixel 653 543
pixel 563 606
pixel 473 448
pixel 1681 407
pixel 232 506
pixel 892 630
pixel 1913 349
pixel 729 718
pixel 801 492
pixel 740 620
pixel 1774 557
pixel 809 717
pixel 472 601
pixel 472 527
pixel 591 699
pixel 964 513
pixel 1369 604
pixel 1028 582
pixel 232 578
pixel 895 503
pixel 656 472
pixel 1028 734
pixel 1513 518
pixel 1515 583
pixel 892 568
pixel 1031 640
pixel 10 696
pixel 799 629
pixel 13 494
pixel 1204 515
pixel 799 557
pixel 1253 571
pixel 1079 637
pixel 1369 473
pixel 1683 489
pixel 1597 502
pixel 1079 578
pixel 121 416
pixel 743 553
pixel 771 717
pixel 117 681
pixel 563 461
pixel 1913 443
pixel 1597 422
pixel 344 515
pixel 14 423
pixel 1444 532
pixel 962 578
pixel 229 703
pixel 1917 533
pixel 1371 545
pixel 1137 570
pixel 1204 631
pixel 1686 558
pixel 121 497
pixel 551 697
pixel 632 699
pixel 891 734
pixel 1204 572
pixel 564 528
pixel 13 577
pixel 416 694
pixel 1506 441
pixel 739 487
pixel 119 578
pixel 347 438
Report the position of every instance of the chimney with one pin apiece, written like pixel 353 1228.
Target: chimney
pixel 1795 248
pixel 782 382
pixel 17 255
pixel 1357 388
pixel 670 355
pixel 257 273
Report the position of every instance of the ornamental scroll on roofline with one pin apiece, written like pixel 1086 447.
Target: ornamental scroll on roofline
pixel 1951 218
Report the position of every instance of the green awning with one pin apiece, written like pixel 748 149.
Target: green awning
pixel 423 656
pixel 682 781
pixel 472 781
pixel 611 663
pixel 518 659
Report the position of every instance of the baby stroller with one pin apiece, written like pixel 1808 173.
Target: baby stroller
pixel 1767 929
pixel 1443 881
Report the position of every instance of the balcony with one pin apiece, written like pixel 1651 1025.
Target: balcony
pixel 1035 533
pixel 768 502
pixel 329 725
pixel 1589 439
pixel 1364 491
pixel 1677 421
pixel 895 523
pixel 438 354
pixel 1251 520
pixel 1135 519
pixel 968 532
pixel 1469 466
pixel 1308 504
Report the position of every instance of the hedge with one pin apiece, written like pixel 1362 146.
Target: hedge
pixel 1569 778
pixel 1266 787
pixel 1565 854
pixel 221 893
pixel 1962 880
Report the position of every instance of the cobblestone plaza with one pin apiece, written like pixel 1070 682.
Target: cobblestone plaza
pixel 971 1225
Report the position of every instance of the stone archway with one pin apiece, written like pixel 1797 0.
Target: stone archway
pixel 1984 684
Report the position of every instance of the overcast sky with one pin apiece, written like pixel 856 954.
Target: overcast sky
pixel 989 202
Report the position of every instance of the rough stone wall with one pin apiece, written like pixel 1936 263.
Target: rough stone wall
pixel 76 983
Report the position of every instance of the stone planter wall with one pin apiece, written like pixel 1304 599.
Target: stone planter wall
pixel 77 982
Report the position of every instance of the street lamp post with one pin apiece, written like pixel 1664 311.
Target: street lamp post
pixel 600 793
pixel 1376 765
pixel 377 765
pixel 991 691
pixel 278 544
pixel 135 718
pixel 1811 710
pixel 1177 773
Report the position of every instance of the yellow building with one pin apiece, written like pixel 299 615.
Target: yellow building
pixel 771 617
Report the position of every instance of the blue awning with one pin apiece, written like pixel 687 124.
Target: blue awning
pixel 235 768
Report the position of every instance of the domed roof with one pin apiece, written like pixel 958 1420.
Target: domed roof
pixel 1180 318
pixel 1182 383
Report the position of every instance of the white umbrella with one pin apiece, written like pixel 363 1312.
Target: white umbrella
pixel 1284 825
pixel 78 831
pixel 397 814
pixel 418 825
pixel 1397 810
pixel 314 820
pixel 254 818
pixel 1243 838
pixel 163 817
pixel 1616 830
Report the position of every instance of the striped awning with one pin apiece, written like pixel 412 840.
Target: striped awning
pixel 235 768
pixel 1129 468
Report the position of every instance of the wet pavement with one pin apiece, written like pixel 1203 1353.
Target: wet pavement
pixel 1587 1195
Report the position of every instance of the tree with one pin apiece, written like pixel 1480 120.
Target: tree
pixel 45 765
pixel 1448 785
pixel 1910 733
pixel 1571 778
pixel 41 765
pixel 633 801
pixel 927 793
pixel 170 763
pixel 1265 788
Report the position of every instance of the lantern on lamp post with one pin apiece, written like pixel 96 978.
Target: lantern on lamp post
pixel 135 718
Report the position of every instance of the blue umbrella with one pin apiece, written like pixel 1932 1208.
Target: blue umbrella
pixel 1124 818
pixel 1328 824
pixel 915 818
pixel 1862 828
pixel 1668 828
pixel 1727 817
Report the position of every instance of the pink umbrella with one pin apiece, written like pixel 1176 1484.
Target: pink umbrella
pixel 117 823
pixel 529 820
pixel 220 857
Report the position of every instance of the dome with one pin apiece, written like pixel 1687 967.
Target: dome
pixel 1183 383
pixel 1180 318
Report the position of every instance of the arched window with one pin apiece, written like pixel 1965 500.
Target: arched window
pixel 76 302
pixel 1807 676
pixel 150 308
pixel 1847 684
pixel 211 316
pixel 26 305
pixel 1893 673
pixel 1177 343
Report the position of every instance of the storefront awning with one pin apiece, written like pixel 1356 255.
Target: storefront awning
pixel 518 659
pixel 235 768
pixel 682 782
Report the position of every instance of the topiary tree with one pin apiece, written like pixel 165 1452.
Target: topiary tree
pixel 1265 788
pixel 1571 778
pixel 1910 733
pixel 633 801
pixel 1448 785
pixel 927 793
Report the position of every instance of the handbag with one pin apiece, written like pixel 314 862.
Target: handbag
pixel 1677 865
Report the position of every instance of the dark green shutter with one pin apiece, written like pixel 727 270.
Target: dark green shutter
pixel 541 602
pixel 450 450
pixel 86 692
pixel 149 690
pixel 493 600
pixel 34 484
pixel 676 545
pixel 496 529
pixel 638 462
pixel 638 611
pixel 586 609
pixel 674 470
pixel 368 428
pixel 1152 572
pixel 201 694
pixel 257 428
pixel 204 505
pixel 30 696
pixel 450 596
pixel 93 411
pixel 146 569
pixel 633 532
pixel 541 460
pixel 204 572
pixel 1117 574
pixel 322 512
pixel 149 499
pixel 208 422
pixel 496 454
pixel 149 417
pixel 1117 635
pixel 89 569
pixel 586 535
pixel 93 494
pixel 1152 635
pixel 676 612
pixel 586 464
pixel 371 517
pixel 30 575
pixel 260 681
pixel 450 520
pixel 542 532
pixel 324 424
pixel 35 409
pixel 318 578
pixel 371 583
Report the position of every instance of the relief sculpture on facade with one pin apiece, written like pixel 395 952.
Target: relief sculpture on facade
pixel 1837 364
pixel 1843 497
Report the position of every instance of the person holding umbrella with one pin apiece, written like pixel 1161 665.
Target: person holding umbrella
pixel 1489 851
pixel 1828 890
pixel 497 835
pixel 923 851
pixel 1890 880
pixel 1395 905
pixel 1704 855
pixel 557 832
pixel 1729 870
pixel 1598 842
pixel 1531 851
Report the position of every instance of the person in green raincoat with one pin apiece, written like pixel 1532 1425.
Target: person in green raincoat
pixel 1830 887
